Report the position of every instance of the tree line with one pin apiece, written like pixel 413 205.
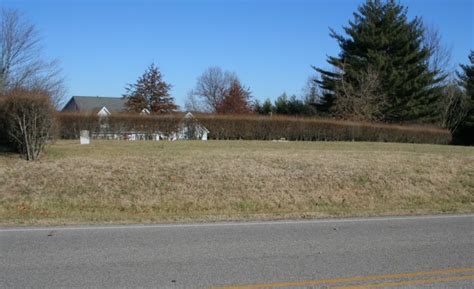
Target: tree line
pixel 216 91
pixel 390 69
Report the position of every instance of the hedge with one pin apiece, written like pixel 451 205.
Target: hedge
pixel 252 127
pixel 70 124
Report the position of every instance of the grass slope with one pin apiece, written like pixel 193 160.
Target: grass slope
pixel 127 182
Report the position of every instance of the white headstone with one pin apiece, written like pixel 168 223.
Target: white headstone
pixel 85 138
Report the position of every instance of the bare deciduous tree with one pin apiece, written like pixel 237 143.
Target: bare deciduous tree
pixel 21 63
pixel 440 55
pixel 366 101
pixel 453 107
pixel 192 103
pixel 311 95
pixel 212 86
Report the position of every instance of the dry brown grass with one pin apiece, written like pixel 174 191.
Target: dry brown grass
pixel 124 182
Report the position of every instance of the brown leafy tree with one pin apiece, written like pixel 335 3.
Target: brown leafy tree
pixel 150 92
pixel 236 100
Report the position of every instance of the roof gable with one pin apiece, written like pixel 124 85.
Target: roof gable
pixel 189 118
pixel 103 111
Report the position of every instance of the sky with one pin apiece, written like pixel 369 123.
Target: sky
pixel 270 44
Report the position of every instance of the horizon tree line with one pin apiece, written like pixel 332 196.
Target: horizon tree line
pixel 390 69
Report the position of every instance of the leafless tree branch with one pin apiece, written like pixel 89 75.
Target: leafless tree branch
pixel 21 63
pixel 440 60
pixel 212 86
pixel 362 99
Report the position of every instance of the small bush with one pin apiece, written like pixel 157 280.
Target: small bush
pixel 252 127
pixel 28 120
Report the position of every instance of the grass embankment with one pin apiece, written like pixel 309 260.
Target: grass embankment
pixel 129 182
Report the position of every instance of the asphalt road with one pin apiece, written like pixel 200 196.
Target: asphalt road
pixel 404 252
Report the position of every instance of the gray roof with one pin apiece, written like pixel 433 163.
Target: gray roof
pixel 92 103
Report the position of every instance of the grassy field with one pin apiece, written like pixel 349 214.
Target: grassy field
pixel 131 182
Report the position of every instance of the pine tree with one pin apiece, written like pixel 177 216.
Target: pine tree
pixel 295 106
pixel 466 76
pixel 150 92
pixel 257 107
pixel 382 39
pixel 464 134
pixel 281 104
pixel 267 107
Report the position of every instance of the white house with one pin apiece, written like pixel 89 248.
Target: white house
pixel 189 127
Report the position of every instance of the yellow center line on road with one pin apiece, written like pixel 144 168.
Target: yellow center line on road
pixel 409 282
pixel 349 279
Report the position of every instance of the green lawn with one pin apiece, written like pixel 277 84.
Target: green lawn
pixel 143 182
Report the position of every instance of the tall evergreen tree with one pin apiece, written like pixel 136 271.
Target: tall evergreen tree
pixel 267 107
pixel 264 108
pixel 466 76
pixel 257 107
pixel 382 39
pixel 150 92
pixel 464 134
pixel 281 104
pixel 296 106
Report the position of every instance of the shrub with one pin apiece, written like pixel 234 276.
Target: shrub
pixel 71 123
pixel 318 129
pixel 165 123
pixel 252 127
pixel 27 120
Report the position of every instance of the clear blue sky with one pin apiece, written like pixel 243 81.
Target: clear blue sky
pixel 271 45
